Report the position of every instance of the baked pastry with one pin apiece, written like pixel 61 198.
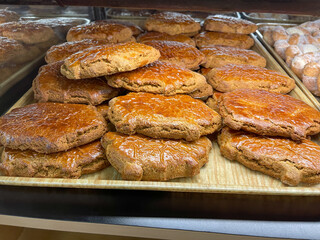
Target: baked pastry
pixel 11 50
pixel 213 102
pixel 8 16
pixel 203 92
pixel 232 76
pixel 291 162
pixel 103 109
pixel 62 51
pixel 270 114
pixel 229 24
pixel 178 53
pixel 159 77
pixel 112 32
pixel 205 71
pixel 136 30
pixel 310 77
pixel 149 36
pixel 27 32
pixel 158 116
pixel 218 56
pixel 51 127
pixel 51 86
pixel 138 157
pixel 172 23
pixel 208 39
pixel 300 61
pixel 106 60
pixel 73 163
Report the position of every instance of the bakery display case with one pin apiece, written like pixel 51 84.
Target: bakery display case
pixel 225 200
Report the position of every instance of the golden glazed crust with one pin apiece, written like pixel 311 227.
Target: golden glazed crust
pixel 62 51
pixel 149 36
pixel 270 114
pixel 73 163
pixel 51 127
pixel 291 162
pixel 172 23
pixel 218 56
pixel 51 86
pixel 27 32
pixel 142 158
pixel 106 60
pixel 159 77
pixel 8 16
pixel 228 24
pixel 178 53
pixel 158 116
pixel 208 39
pixel 231 77
pixel 112 32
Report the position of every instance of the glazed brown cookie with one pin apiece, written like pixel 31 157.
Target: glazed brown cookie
pixel 8 16
pixel 229 24
pixel 158 116
pixel 159 77
pixel 270 114
pixel 62 51
pixel 172 23
pixel 112 32
pixel 73 163
pixel 291 162
pixel 218 56
pixel 27 32
pixel 209 39
pixel 136 30
pixel 232 76
pixel 203 92
pixel 149 36
pixel 51 86
pixel 138 157
pixel 178 53
pixel 51 127
pixel 106 60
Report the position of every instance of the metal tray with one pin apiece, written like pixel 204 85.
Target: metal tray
pixel 290 19
pixel 218 176
pixel 315 100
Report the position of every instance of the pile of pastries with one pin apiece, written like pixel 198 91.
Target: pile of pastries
pixel 299 46
pixel 115 95
pixel 23 41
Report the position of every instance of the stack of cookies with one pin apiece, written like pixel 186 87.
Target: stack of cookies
pixel 159 133
pixel 268 132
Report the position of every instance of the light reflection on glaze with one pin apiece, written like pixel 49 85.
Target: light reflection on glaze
pixel 154 107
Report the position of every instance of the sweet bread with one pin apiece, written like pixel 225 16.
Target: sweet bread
pixel 51 127
pixel 289 161
pixel 208 39
pixel 172 23
pixel 178 53
pixel 231 77
pixel 138 157
pixel 159 77
pixel 108 59
pixel 51 86
pixel 229 24
pixel 270 114
pixel 158 116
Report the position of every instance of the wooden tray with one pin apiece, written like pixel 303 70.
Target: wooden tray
pixel 218 176
pixel 314 99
